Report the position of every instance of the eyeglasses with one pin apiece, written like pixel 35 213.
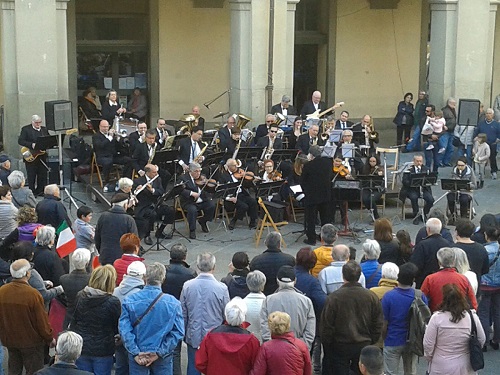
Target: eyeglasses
pixel 273 131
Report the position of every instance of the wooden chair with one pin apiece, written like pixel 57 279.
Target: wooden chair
pixel 379 207
pixel 393 167
pixel 95 167
pixel 178 208
pixel 266 222
pixel 294 209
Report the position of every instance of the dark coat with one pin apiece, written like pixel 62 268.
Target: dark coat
pixel 269 262
pixel 316 181
pixel 261 131
pixel 178 272
pixel 109 111
pixel 72 283
pixel 422 234
pixel 140 157
pixel 389 252
pixel 236 282
pixel 89 109
pixel 133 140
pixel 51 211
pixel 291 111
pixel 96 320
pixel 264 142
pixel 304 142
pixel 62 369
pixel 185 149
pixel 108 241
pixel 190 187
pixel 224 138
pixel 349 124
pixel 103 147
pixel 309 108
pixel 29 136
pixel 4 174
pixel 450 115
pixel 404 109
pixel 48 264
pixel 406 180
pixel 146 198
pixel 309 285
pixel 424 256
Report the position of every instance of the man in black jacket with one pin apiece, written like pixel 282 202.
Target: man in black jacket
pixel 270 261
pixel 285 108
pixel 271 141
pixel 263 129
pixel 342 123
pixel 308 139
pixel 51 210
pixel 144 154
pixel 36 169
pixel 190 149
pixel 225 133
pixel 110 227
pixel 316 182
pixel 414 193
pixel 178 272
pixel 193 199
pixel 313 105
pixel 424 253
pixel 107 151
pixel 146 210
pixel 139 136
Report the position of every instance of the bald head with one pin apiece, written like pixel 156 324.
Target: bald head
pixel 316 97
pixel 19 268
pixel 340 253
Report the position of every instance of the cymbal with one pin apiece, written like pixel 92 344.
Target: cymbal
pixel 175 123
pixel 221 114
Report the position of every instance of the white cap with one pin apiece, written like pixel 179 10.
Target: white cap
pixel 136 268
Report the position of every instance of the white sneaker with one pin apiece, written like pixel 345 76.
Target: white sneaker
pixel 430 147
pixel 300 197
pixel 494 175
pixel 441 150
pixel 105 189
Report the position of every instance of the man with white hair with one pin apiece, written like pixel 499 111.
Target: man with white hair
pixel 203 300
pixel 21 195
pixel 491 128
pixel 107 241
pixel 213 356
pixel 371 268
pixel 294 303
pixel 24 327
pixel 37 171
pixel 68 350
pixel 424 253
pixel 313 105
pixel 149 334
pixel 51 210
pixel 330 278
pixel 388 281
pixel 433 284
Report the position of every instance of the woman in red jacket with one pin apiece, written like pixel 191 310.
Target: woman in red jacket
pixel 284 354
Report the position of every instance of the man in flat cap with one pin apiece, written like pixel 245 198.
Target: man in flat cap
pixel 111 226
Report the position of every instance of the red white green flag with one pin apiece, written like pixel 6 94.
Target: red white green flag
pixel 66 242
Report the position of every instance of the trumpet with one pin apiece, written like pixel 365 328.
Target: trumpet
pixel 371 134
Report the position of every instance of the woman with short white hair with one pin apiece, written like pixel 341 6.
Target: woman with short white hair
pixel 212 358
pixel 21 195
pixel 256 281
pixel 47 262
pixel 8 212
pixel 371 267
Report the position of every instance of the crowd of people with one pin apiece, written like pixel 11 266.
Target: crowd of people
pixel 319 311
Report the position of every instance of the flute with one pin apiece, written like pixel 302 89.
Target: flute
pixel 137 191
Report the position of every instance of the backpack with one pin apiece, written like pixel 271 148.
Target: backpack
pixel 81 149
pixel 418 317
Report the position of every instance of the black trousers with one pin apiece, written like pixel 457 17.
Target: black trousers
pixel 370 199
pixel 399 133
pixel 493 158
pixel 413 196
pixel 464 201
pixel 192 209
pixel 107 163
pixel 146 218
pixel 341 359
pixel 244 205
pixel 37 175
pixel 311 212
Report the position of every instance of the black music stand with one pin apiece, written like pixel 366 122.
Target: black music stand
pixel 46 142
pixel 172 193
pixel 456 186
pixel 280 155
pixel 213 159
pixel 166 158
pixel 421 180
pixel 371 183
pixel 345 191
pixel 246 153
pixel 359 137
pixel 267 189
pixel 222 192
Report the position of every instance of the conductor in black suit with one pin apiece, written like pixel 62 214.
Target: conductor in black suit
pixel 414 193
pixel 194 199
pixel 225 133
pixel 37 172
pixel 316 182
pixel 145 213
pixel 144 154
pixel 106 148
pixel 343 122
pixel 285 108
pixel 313 105
pixel 190 148
pixel 308 139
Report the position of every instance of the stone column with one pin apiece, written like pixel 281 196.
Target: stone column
pixel 35 61
pixel 461 49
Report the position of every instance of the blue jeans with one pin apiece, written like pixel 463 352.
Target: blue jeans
pixel 97 365
pixel 414 144
pixel 449 148
pixel 191 369
pixel 489 311
pixel 162 366
pixel 1 359
pixel 121 361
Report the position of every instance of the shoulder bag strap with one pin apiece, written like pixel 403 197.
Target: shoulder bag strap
pixel 496 258
pixel 373 274
pixel 139 319
pixel 473 330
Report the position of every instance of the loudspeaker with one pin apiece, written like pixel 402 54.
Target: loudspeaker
pixel 468 112
pixel 58 115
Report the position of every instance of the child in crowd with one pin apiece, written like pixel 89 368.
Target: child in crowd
pixel 438 124
pixel 481 152
pixel 84 232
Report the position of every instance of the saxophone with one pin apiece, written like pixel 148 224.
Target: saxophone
pixel 197 159
pixel 152 154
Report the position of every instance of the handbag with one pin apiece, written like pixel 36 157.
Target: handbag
pixel 475 347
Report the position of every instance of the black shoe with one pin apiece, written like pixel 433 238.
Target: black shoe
pixel 192 235
pixel 168 236
pixel 307 241
pixel 485 348
pixel 142 251
pixel 232 223
pixel 481 184
pixel 252 225
pixel 494 345
pixel 148 241
pixel 417 220
pixel 204 226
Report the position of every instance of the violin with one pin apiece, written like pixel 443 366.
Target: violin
pixel 247 178
pixel 275 176
pixel 206 183
pixel 342 171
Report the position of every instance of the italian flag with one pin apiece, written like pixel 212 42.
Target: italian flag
pixel 66 242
